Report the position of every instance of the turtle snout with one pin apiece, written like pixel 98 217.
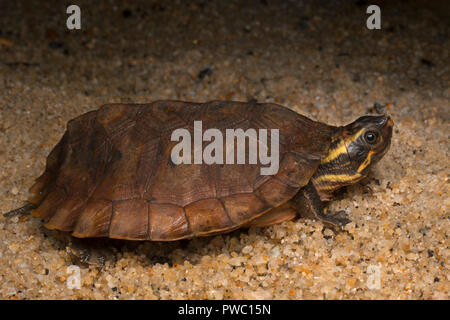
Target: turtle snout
pixel 387 126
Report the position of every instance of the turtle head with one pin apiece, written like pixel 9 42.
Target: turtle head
pixel 367 140
pixel 355 148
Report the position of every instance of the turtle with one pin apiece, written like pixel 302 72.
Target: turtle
pixel 112 175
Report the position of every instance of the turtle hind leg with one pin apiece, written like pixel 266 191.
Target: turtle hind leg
pixel 26 208
pixel 92 252
pixel 310 206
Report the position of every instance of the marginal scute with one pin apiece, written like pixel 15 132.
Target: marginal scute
pixel 167 222
pixel 50 203
pixel 243 207
pixel 95 219
pixel 129 220
pixel 66 215
pixel 39 189
pixel 207 216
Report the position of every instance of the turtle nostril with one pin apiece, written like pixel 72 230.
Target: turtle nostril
pixel 387 121
pixel 390 122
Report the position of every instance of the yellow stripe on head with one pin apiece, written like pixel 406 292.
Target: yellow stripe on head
pixel 341 148
pixel 366 162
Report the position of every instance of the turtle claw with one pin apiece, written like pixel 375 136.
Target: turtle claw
pixel 337 220
pixel 90 252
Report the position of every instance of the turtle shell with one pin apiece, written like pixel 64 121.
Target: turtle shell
pixel 111 174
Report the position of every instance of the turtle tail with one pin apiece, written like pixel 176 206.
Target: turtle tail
pixel 26 208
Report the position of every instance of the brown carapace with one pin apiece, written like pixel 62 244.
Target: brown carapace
pixel 111 175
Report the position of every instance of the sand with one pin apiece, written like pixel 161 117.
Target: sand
pixel 317 59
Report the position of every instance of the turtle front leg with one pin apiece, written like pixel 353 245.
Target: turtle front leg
pixel 310 206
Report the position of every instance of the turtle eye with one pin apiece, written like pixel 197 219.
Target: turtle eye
pixel 371 137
